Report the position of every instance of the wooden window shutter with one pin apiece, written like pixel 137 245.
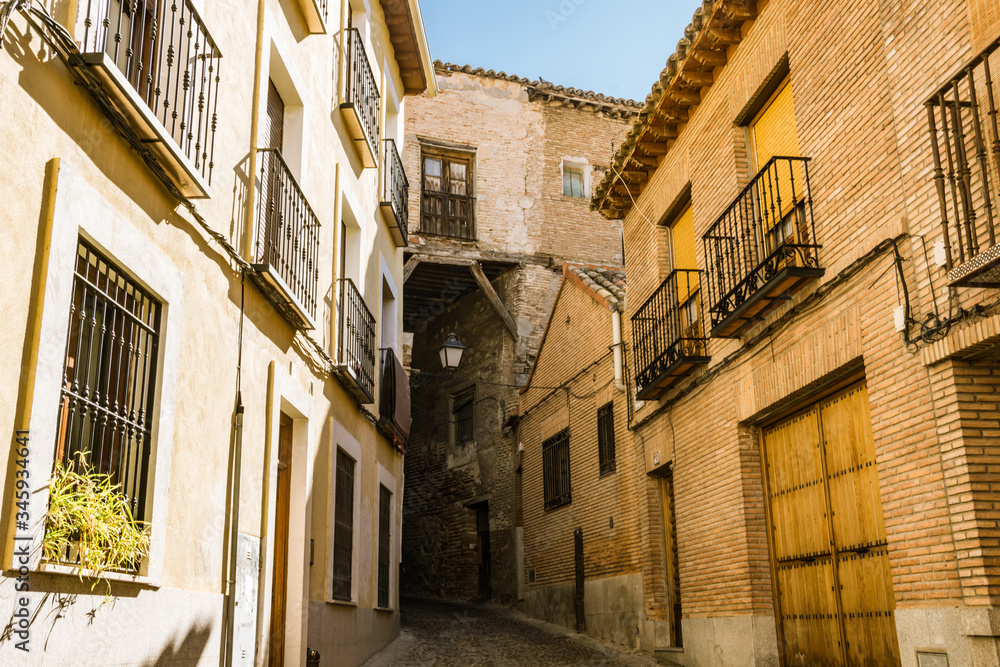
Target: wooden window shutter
pixel 774 130
pixel 685 253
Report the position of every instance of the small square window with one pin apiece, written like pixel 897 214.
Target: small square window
pixel 573 184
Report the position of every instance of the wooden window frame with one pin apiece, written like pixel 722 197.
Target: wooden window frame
pixel 449 225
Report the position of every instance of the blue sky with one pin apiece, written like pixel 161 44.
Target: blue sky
pixel 615 47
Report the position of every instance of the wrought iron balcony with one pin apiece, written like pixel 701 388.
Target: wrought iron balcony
pixel 160 66
pixel 316 13
pixel 286 247
pixel 962 118
pixel 394 398
pixel 395 194
pixel 763 248
pixel 668 340
pixel 356 356
pixel 362 105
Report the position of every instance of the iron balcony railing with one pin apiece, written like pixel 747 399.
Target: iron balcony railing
pixel 362 90
pixel 667 336
pixel 287 232
pixel 965 144
pixel 167 55
pixel 357 338
pixel 396 190
pixel 763 247
pixel 394 398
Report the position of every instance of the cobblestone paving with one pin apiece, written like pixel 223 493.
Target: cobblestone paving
pixel 447 634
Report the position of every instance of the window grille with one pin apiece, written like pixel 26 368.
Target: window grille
pixel 109 376
pixel 384 529
pixel 343 531
pixel 606 437
pixel 555 466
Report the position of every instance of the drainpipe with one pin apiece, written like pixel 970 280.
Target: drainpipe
pixel 234 531
pixel 254 123
pixel 618 347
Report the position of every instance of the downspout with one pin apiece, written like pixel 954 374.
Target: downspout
pixel 234 522
pixel 618 347
pixel 254 123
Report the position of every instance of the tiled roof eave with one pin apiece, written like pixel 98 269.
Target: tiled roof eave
pixel 717 25
pixel 573 97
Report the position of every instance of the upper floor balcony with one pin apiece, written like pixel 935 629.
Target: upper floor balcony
pixel 668 339
pixel 316 13
pixel 763 248
pixel 159 65
pixel 286 243
pixel 395 194
pixel 394 398
pixel 965 144
pixel 356 352
pixel 361 109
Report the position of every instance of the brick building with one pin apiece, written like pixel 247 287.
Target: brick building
pixel 502 169
pixel 807 199
pixel 591 560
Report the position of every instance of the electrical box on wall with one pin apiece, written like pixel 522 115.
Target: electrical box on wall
pixel 940 258
pixel 899 318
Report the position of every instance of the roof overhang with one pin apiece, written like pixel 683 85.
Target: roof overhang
pixel 409 44
pixel 689 72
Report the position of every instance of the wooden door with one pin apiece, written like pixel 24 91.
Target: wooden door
pixel 671 562
pixel 833 590
pixel 279 589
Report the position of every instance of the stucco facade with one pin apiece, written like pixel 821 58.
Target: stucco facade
pixel 74 170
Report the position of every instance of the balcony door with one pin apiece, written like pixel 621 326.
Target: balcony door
pixel 271 137
pixel 685 258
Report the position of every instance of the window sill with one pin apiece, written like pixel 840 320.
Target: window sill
pixel 385 609
pixel 343 603
pixel 121 577
pixel 610 471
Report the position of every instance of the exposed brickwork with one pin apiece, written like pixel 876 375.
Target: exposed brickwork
pixel 860 118
pixel 526 225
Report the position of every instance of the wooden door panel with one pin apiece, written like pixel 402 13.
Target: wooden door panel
pixel 828 542
pixel 795 483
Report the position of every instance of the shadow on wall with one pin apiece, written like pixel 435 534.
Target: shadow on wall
pixel 183 649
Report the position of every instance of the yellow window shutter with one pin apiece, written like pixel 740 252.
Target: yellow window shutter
pixel 685 253
pixel 774 130
pixel 774 134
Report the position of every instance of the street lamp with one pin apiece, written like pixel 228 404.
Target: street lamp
pixel 451 353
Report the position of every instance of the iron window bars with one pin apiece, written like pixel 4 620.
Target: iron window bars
pixel 357 337
pixel 362 90
pixel 109 377
pixel 384 544
pixel 667 334
pixel 396 190
pixel 606 437
pixel 965 107
pixel 287 233
pixel 394 406
pixel 171 61
pixel 343 530
pixel 763 247
pixel 555 470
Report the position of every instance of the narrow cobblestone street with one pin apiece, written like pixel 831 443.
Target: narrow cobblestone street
pixel 464 634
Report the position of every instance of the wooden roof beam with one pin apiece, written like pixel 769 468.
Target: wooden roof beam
pixel 725 36
pixel 709 58
pixel 741 10
pixel 663 131
pixel 687 97
pixel 645 161
pixel 654 148
pixel 697 78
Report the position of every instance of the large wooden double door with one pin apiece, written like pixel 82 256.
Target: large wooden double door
pixel 833 590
